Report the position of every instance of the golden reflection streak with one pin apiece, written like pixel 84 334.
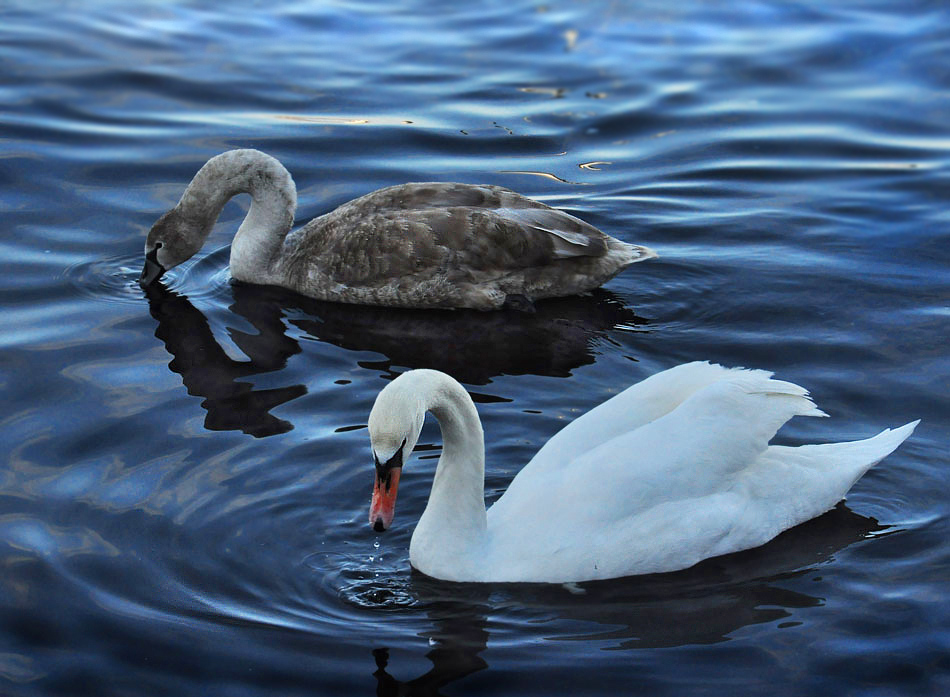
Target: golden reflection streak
pixel 592 165
pixel 321 119
pixel 556 92
pixel 546 175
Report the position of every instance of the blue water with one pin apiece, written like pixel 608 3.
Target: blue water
pixel 184 491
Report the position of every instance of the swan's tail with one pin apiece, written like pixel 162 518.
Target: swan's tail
pixel 886 442
pixel 840 465
pixel 625 254
pixel 816 477
pixel 861 455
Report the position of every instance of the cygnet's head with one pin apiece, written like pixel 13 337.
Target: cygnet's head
pixel 172 240
pixel 394 426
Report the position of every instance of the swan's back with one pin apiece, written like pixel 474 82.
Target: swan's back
pixel 690 477
pixel 635 406
pixel 450 245
pixel 683 433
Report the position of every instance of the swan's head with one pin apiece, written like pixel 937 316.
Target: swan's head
pixel 394 426
pixel 172 240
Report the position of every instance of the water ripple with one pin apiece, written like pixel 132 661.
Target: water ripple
pixel 366 581
pixel 114 279
pixel 184 498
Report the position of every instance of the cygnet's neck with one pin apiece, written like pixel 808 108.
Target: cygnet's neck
pixel 452 529
pixel 257 243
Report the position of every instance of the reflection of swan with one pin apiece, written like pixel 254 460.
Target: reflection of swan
pixel 207 371
pixel 414 245
pixel 673 470
pixel 552 341
pixel 473 347
pixel 702 605
pixel 710 601
pixel 458 638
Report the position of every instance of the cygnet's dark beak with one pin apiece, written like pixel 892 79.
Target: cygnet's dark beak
pixel 153 270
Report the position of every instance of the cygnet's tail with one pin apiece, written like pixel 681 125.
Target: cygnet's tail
pixel 625 254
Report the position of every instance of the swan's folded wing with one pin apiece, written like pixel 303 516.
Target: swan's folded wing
pixel 694 450
pixel 444 241
pixel 421 195
pixel 560 234
pixel 505 217
pixel 636 406
pixel 504 239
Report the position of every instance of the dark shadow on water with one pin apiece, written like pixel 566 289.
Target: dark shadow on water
pixel 474 347
pixel 701 605
pixel 458 637
pixel 207 371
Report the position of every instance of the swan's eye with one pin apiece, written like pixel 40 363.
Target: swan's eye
pixel 153 255
pixel 394 462
pixel 399 453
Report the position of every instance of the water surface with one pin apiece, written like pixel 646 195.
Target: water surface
pixel 184 494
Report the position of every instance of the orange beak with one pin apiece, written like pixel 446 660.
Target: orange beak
pixel 383 507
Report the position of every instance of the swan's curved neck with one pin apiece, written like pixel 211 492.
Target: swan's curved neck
pixel 258 241
pixel 454 523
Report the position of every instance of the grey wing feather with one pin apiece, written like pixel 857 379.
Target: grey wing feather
pixel 541 226
pixel 420 195
pixel 575 238
pixel 404 229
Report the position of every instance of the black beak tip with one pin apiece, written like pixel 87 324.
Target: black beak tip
pixel 378 525
pixel 151 272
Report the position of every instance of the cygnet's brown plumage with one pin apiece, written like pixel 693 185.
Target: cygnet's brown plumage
pixel 422 245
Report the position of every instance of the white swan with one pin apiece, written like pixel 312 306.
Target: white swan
pixel 414 245
pixel 675 469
